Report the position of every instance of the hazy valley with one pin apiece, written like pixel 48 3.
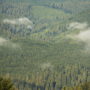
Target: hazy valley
pixel 45 44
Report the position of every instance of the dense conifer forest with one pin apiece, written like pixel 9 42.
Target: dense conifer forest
pixel 44 44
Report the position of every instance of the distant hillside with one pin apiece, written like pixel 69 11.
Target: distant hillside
pixel 45 44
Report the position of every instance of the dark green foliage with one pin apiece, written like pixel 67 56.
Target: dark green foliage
pixel 47 78
pixel 6 84
pixel 84 86
pixel 44 57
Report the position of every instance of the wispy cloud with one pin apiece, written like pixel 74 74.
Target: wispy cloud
pixel 83 35
pixel 2 41
pixel 8 43
pixel 19 21
pixel 77 25
pixel 46 65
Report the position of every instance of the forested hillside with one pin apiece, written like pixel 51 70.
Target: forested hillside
pixel 45 44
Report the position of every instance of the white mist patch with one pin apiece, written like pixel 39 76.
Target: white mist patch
pixel 29 27
pixel 8 43
pixel 2 41
pixel 84 36
pixel 24 20
pixel 46 66
pixel 9 21
pixel 84 31
pixel 77 25
pixel 19 21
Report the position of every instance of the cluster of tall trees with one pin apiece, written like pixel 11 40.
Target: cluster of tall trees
pixel 6 84
pixel 66 78
pixel 70 6
pixel 27 61
pixel 84 86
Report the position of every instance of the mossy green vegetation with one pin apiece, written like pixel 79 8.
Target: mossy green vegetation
pixel 41 44
pixel 6 84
